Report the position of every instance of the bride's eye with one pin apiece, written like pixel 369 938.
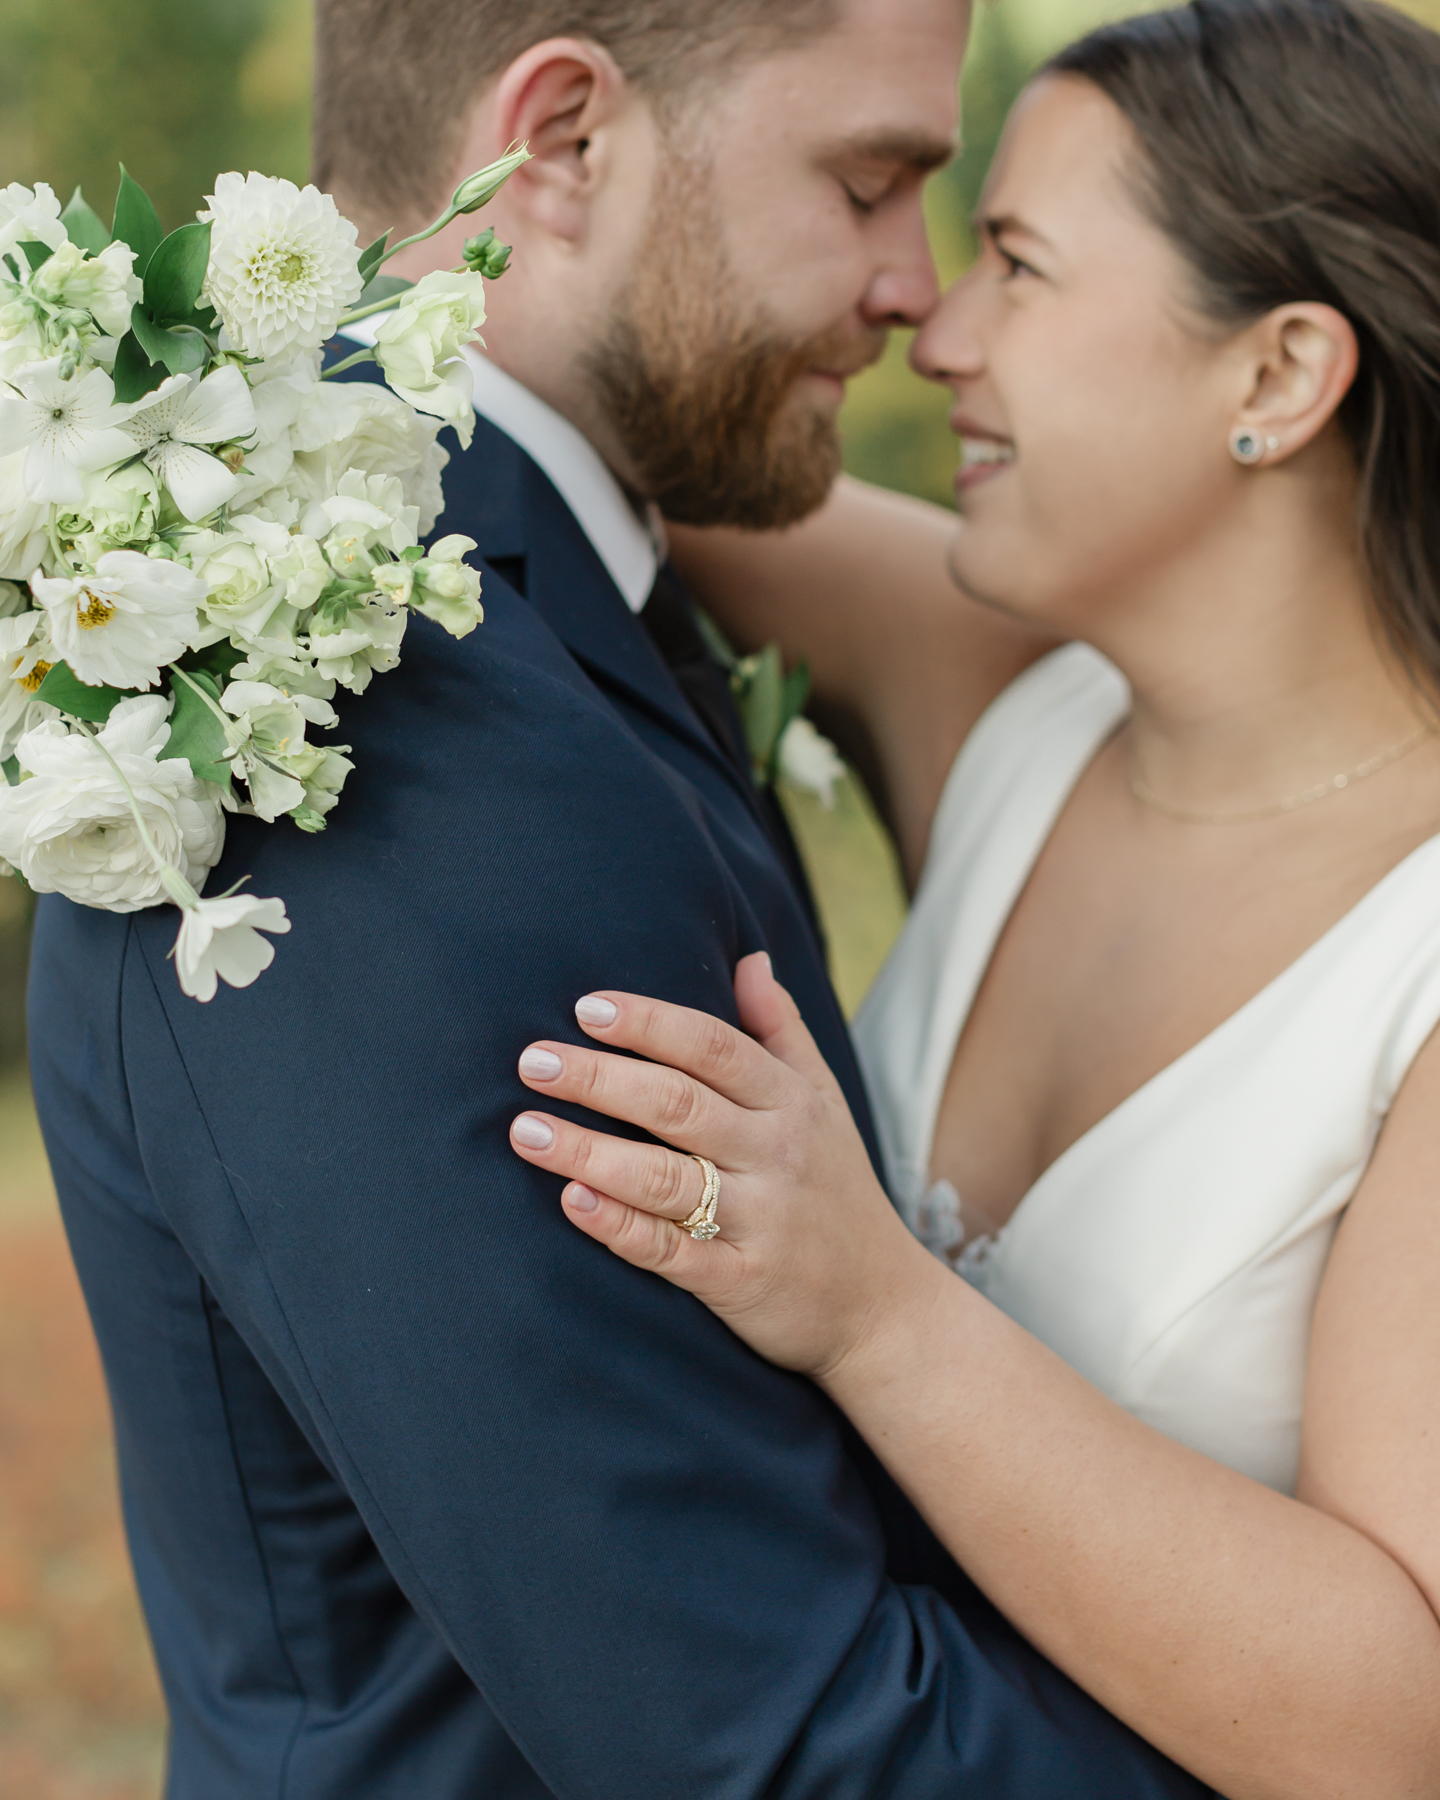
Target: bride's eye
pixel 1013 265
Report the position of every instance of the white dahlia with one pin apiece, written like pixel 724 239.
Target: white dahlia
pixel 284 265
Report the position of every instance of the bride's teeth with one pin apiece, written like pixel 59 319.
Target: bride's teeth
pixel 980 452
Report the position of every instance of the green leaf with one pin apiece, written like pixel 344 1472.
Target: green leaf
pixel 761 703
pixel 176 272
pixel 195 732
pixel 373 255
pixel 383 287
pixel 215 661
pixel 179 351
pixel 136 221
pixel 35 254
pixel 10 769
pixel 135 374
pixel 61 688
pixel 85 226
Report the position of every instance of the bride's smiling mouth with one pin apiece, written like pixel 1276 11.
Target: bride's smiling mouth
pixel 983 455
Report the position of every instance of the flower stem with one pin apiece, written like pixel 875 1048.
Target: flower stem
pixel 178 888
pixel 350 362
pixel 364 312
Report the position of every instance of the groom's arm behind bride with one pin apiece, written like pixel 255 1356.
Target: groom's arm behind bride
pixel 429 1497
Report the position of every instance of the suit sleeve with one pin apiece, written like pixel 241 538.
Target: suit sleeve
pixel 649 1549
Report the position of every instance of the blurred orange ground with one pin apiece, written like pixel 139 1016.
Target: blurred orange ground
pixel 80 1710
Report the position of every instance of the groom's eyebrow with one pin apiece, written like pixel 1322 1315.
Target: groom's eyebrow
pixel 913 149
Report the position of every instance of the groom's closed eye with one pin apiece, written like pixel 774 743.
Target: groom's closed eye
pixel 872 166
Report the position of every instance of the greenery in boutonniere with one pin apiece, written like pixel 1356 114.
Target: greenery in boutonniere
pixel 770 700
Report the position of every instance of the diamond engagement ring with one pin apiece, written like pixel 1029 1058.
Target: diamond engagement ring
pixel 701 1223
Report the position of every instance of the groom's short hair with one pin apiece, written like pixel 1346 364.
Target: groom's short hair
pixel 393 78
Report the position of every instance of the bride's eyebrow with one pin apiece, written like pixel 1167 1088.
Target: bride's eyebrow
pixel 994 226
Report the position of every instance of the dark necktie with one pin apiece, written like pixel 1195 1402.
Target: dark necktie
pixel 671 624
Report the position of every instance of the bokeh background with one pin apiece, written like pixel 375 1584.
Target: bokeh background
pixel 183 89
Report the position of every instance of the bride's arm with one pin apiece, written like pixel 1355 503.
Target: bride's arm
pixel 1279 1649
pixel 902 662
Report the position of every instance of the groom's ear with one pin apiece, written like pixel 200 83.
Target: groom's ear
pixel 562 98
pixel 1306 357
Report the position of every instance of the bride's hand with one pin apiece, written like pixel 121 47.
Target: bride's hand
pixel 811 1256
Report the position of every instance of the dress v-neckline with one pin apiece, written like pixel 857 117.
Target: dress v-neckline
pixel 1178 1065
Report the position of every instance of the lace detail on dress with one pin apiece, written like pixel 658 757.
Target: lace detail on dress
pixel 933 1211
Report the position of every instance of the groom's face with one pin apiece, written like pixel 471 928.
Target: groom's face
pixel 785 237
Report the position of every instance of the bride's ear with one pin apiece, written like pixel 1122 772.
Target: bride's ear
pixel 1302 363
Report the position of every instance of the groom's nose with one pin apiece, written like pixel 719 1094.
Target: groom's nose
pixel 905 288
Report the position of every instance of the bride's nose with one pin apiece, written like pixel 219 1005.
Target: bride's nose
pixel 947 347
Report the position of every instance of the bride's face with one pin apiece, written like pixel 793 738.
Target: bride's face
pixel 1093 405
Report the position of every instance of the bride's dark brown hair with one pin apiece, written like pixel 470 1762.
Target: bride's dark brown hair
pixel 1291 151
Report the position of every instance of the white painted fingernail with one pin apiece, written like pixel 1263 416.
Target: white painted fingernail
pixel 533 1133
pixel 592 1010
pixel 540 1065
pixel 581 1199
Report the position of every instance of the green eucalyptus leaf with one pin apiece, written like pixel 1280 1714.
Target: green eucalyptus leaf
pixel 10 769
pixel 762 704
pixel 136 221
pixel 85 226
pixel 373 255
pixel 178 351
pixel 135 375
pixel 35 254
pixel 95 704
pixel 383 287
pixel 176 272
pixel 796 693
pixel 195 732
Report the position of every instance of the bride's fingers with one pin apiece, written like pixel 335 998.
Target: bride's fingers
pixel 646 1176
pixel 650 1243
pixel 772 1018
pixel 694 1042
pixel 662 1101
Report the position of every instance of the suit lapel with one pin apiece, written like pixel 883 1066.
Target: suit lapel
pixel 502 498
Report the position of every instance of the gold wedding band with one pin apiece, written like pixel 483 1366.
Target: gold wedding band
pixel 701 1223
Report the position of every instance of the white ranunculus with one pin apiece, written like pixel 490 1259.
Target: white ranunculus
pixel 361 425
pixel 284 265
pixel 448 588
pixel 106 286
pixel 65 428
pixel 23 539
pixel 67 825
pixel 30 215
pixel 26 658
pixel 418 346
pixel 172 426
pixel 364 517
pixel 116 508
pixel 810 761
pixel 119 626
pixel 220 941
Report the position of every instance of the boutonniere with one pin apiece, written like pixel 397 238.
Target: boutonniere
pixel 783 745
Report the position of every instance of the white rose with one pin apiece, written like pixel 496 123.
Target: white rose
pixel 418 346
pixel 449 589
pixel 115 509
pixel 105 286
pixel 361 425
pixel 119 626
pixel 241 589
pixel 284 265
pixel 23 539
pixel 67 825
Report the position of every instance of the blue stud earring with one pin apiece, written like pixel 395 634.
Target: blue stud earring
pixel 1246 446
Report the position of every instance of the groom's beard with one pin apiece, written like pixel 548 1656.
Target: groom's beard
pixel 702 394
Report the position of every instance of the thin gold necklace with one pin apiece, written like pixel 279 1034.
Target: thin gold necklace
pixel 1292 803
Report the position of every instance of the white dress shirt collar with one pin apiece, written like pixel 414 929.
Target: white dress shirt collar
pixel 630 547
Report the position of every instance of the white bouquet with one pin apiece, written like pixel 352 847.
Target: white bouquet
pixel 201 536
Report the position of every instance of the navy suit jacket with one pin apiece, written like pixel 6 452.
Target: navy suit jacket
pixel 429 1496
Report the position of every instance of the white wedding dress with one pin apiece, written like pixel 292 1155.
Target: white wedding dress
pixel 1172 1255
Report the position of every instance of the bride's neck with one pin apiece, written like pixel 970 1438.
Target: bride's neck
pixel 1259 667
